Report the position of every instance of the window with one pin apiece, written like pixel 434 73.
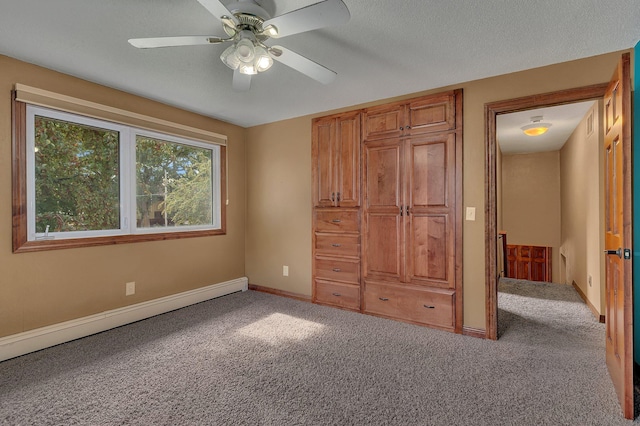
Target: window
pixel 86 181
pixel 174 184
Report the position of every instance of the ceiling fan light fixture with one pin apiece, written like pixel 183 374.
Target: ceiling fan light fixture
pixel 263 61
pixel 248 69
pixel 245 50
pixel 229 57
pixel 536 128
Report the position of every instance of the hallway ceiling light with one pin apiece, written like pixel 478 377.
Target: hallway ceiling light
pixel 537 127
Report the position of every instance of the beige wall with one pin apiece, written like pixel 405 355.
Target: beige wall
pixel 278 221
pixel 531 202
pixel 582 210
pixel 290 163
pixel 39 289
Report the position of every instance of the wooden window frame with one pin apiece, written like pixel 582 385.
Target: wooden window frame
pixel 20 242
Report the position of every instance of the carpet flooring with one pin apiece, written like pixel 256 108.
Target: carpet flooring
pixel 257 359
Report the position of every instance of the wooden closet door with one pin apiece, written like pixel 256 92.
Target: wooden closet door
pixel 383 122
pixel 383 252
pixel 347 174
pixel 323 157
pixel 430 219
pixel 434 114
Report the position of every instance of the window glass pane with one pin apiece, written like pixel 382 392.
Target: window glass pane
pixel 77 176
pixel 173 184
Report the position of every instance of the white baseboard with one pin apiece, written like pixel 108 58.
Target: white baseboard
pixel 40 338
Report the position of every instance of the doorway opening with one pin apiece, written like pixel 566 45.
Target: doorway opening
pixel 492 111
pixel 550 211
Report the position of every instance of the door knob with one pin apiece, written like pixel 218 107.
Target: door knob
pixel 616 252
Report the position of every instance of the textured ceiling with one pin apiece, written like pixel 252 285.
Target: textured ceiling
pixel 388 48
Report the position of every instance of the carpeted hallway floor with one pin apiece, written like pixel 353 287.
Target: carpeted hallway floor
pixel 257 359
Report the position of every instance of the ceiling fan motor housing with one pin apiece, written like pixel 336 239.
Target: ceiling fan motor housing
pixel 250 17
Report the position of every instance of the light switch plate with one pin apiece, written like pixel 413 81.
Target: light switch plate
pixel 471 213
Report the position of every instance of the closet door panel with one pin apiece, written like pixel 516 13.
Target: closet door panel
pixel 386 121
pixel 429 244
pixel 383 181
pixel 431 216
pixel 429 178
pixel 383 251
pixel 348 155
pixel 323 157
pixel 434 114
pixel 383 257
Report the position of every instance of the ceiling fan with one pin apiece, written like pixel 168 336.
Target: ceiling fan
pixel 249 27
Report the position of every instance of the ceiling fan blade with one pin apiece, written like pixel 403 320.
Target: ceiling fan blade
pixel 147 43
pixel 217 9
pixel 241 81
pixel 319 15
pixel 300 63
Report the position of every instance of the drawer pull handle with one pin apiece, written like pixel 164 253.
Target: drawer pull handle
pixel 429 307
pixel 336 245
pixel 336 221
pixel 336 294
pixel 336 269
pixel 384 299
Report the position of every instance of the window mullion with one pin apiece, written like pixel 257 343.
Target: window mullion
pixel 127 184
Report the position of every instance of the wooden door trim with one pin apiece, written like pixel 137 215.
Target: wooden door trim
pixel 491 111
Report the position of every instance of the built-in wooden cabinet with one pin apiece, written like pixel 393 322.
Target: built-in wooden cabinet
pixel 411 233
pixel 532 263
pixel 336 160
pixel 398 253
pixel 408 118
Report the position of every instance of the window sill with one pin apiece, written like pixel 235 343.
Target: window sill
pixel 45 245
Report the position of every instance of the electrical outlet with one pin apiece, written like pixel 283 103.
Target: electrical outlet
pixel 285 271
pixel 130 288
pixel 471 213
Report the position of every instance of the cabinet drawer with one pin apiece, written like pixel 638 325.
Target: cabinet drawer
pixel 337 221
pixel 336 269
pixel 337 294
pixel 416 305
pixel 338 244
